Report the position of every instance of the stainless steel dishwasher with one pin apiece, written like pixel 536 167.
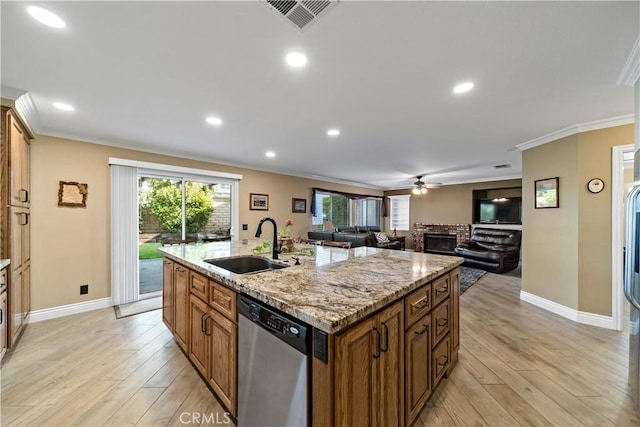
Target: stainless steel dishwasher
pixel 273 366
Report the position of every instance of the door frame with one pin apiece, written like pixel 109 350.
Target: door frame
pixel 617 238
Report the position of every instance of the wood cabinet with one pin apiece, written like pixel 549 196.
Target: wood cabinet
pixel 369 364
pixel 455 316
pixel 428 355
pixel 181 305
pixel 211 339
pixel 4 344
pixel 167 293
pixel 15 220
pixel 418 366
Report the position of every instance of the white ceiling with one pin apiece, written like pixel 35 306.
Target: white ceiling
pixel 146 74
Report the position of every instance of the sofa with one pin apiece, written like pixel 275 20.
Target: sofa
pixel 358 236
pixel 494 250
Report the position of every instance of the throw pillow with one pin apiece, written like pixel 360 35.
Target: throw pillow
pixel 382 237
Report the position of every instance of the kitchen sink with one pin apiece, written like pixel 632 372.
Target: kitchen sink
pixel 245 264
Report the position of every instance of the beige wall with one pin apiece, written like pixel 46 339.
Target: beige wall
pixel 71 247
pixel 566 254
pixel 451 204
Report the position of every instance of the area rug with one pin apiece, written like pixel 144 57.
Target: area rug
pixel 469 276
pixel 142 306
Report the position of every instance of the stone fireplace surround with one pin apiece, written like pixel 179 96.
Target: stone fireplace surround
pixel 462 232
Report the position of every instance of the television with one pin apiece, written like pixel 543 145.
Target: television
pixel 500 210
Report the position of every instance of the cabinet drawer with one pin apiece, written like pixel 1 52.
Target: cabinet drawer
pixel 223 299
pixel 440 361
pixel 440 319
pixel 199 286
pixel 416 304
pixel 441 289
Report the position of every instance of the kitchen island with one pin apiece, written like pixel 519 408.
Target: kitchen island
pixel 385 323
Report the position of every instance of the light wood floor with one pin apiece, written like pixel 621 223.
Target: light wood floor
pixel 519 365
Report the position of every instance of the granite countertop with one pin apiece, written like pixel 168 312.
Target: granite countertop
pixel 331 289
pixel 4 263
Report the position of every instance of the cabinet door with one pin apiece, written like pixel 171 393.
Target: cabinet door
pixel 26 290
pixel 17 219
pixel 223 370
pixel 355 378
pixel 17 193
pixel 418 367
pixel 167 293
pixel 199 341
pixel 25 236
pixel 390 366
pixel 25 169
pixel 15 306
pixel 3 324
pixel 181 306
pixel 455 310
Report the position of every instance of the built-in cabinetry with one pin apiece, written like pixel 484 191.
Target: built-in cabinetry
pixel 3 312
pixel 369 380
pixel 386 366
pixel 202 315
pixel 379 371
pixel 15 219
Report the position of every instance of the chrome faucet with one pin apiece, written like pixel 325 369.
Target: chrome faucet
pixel 274 246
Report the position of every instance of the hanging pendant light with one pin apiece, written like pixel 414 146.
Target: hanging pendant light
pixel 420 186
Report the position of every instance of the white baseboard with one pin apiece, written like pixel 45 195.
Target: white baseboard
pixel 569 313
pixel 69 309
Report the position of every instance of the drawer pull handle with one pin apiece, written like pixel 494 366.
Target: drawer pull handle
pixel 442 290
pixel 377 355
pixel 202 323
pixel 421 304
pixel 386 337
pixel 443 322
pixel 424 329
pixel 206 326
pixel 24 195
pixel 443 361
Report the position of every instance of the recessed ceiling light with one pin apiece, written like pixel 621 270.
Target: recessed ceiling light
pixel 333 132
pixel 63 107
pixel 270 154
pixel 463 87
pixel 46 17
pixel 296 59
pixel 217 121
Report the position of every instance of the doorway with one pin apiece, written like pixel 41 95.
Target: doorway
pixel 622 182
pixel 177 210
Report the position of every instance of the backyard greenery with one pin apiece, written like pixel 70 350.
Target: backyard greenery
pixel 165 201
pixel 148 251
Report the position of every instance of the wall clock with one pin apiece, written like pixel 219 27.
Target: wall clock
pixel 595 185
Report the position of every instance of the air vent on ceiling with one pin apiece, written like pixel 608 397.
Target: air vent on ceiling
pixel 301 13
pixel 502 166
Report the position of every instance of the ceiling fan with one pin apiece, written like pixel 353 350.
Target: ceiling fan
pixel 421 187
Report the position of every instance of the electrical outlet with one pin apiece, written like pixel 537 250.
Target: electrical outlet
pixel 245 227
pixel 84 289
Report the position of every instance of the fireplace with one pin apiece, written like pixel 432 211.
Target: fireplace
pixel 438 243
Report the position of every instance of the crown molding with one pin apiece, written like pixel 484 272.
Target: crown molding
pixel 574 129
pixel 631 71
pixel 29 114
pixel 180 155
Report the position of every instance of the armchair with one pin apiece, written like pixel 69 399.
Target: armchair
pixel 497 251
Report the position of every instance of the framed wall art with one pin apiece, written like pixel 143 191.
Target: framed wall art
pixel 258 202
pixel 299 205
pixel 546 193
pixel 73 194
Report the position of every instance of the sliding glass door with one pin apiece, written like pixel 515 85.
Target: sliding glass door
pixel 176 210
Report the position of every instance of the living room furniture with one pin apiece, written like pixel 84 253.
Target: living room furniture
pixel 357 239
pixel 497 251
pixel 344 245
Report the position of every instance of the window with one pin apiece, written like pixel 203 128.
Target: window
pixel 399 215
pixel 331 207
pixel 368 212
